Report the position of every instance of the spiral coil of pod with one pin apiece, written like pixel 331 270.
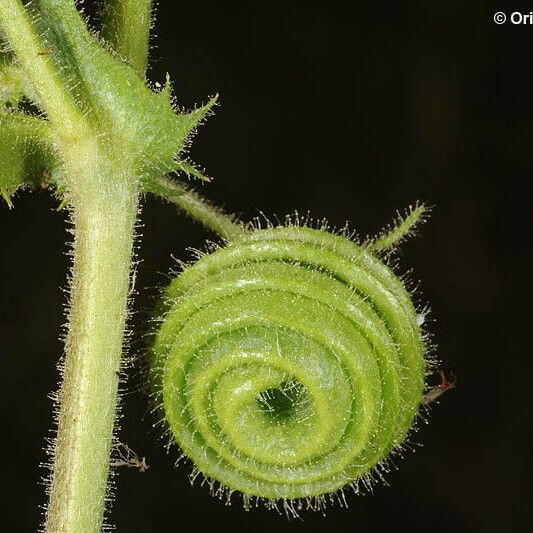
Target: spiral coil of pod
pixel 289 363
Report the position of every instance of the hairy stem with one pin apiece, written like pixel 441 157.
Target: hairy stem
pixel 104 229
pixel 126 25
pixel 105 211
pixel 104 196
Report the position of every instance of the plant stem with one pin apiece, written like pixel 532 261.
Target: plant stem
pixel 104 227
pixel 126 25
pixel 105 210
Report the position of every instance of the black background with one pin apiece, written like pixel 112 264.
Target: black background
pixel 350 113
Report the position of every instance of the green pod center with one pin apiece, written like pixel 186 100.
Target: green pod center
pixel 284 403
pixel 289 363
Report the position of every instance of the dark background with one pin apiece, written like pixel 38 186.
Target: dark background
pixel 350 113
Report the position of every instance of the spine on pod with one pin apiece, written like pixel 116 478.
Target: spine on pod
pixel 289 363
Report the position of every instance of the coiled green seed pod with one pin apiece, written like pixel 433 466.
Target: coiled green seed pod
pixel 289 363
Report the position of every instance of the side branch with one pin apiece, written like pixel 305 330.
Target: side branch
pixel 38 65
pixel 198 208
pixel 402 227
pixel 126 26
pixel 26 156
